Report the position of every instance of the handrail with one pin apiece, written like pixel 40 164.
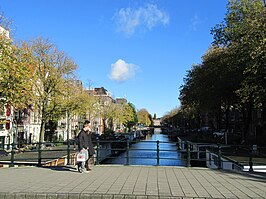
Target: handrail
pixel 42 155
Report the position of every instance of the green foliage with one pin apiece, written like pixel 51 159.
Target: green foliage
pixel 15 74
pixel 51 69
pixel 244 31
pixel 233 70
pixel 130 115
pixel 144 117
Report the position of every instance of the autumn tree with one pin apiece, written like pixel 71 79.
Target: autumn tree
pixel 15 74
pixel 5 23
pixel 129 115
pixel 106 111
pixel 51 70
pixel 144 117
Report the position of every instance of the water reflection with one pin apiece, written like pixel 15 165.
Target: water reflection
pixel 144 153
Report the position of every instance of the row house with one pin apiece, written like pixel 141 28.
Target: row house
pixel 5 123
pixel 104 100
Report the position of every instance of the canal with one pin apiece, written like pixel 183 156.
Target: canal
pixel 145 153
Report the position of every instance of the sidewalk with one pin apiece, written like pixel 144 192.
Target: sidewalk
pixel 131 182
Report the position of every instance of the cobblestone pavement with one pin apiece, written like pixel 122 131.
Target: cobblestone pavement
pixel 131 182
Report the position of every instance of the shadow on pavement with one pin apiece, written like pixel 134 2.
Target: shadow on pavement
pixel 62 168
pixel 257 176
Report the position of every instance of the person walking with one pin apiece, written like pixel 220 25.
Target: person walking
pixel 85 145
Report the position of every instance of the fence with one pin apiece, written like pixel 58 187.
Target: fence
pixel 63 153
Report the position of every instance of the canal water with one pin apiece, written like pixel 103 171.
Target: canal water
pixel 145 153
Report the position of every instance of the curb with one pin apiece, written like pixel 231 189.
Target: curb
pixel 82 196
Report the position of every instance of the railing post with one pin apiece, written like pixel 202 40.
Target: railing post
pixel 252 151
pixel 68 152
pixel 250 164
pixel 188 154
pixel 39 154
pixel 8 146
pixel 219 157
pixel 12 154
pixel 158 152
pixel 127 153
pixel 97 150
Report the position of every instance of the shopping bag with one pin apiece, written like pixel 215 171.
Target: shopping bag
pixel 81 157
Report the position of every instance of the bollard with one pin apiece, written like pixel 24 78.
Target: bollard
pixel 39 154
pixel 158 153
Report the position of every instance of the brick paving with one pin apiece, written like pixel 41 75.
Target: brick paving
pixel 128 182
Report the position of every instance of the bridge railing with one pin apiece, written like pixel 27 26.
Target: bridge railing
pixel 38 153
pixel 186 153
pixel 125 153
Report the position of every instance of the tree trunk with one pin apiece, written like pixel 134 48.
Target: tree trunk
pixel 247 120
pixel 219 118
pixel 104 125
pixel 227 117
pixel 41 138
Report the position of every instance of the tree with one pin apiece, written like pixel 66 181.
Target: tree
pixel 51 68
pixel 226 74
pixel 244 29
pixel 15 74
pixel 106 111
pixel 129 115
pixel 5 22
pixel 144 117
pixel 197 94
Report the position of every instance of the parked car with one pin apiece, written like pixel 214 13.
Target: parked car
pixel 220 133
pixel 204 129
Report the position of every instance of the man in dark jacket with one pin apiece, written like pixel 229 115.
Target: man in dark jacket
pixel 85 145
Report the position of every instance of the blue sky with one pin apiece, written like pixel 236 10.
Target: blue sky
pixel 137 49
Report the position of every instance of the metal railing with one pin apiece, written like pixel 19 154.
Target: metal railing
pixel 46 154
pixel 125 148
pixel 39 153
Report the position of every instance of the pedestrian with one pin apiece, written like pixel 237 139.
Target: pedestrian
pixel 85 145
pixel 91 150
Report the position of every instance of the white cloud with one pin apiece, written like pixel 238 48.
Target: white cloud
pixel 195 22
pixel 122 71
pixel 129 20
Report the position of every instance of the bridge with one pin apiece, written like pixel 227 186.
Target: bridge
pixel 129 182
pixel 123 181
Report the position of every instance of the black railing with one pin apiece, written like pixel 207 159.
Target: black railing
pixel 191 154
pixel 124 150
pixel 39 154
